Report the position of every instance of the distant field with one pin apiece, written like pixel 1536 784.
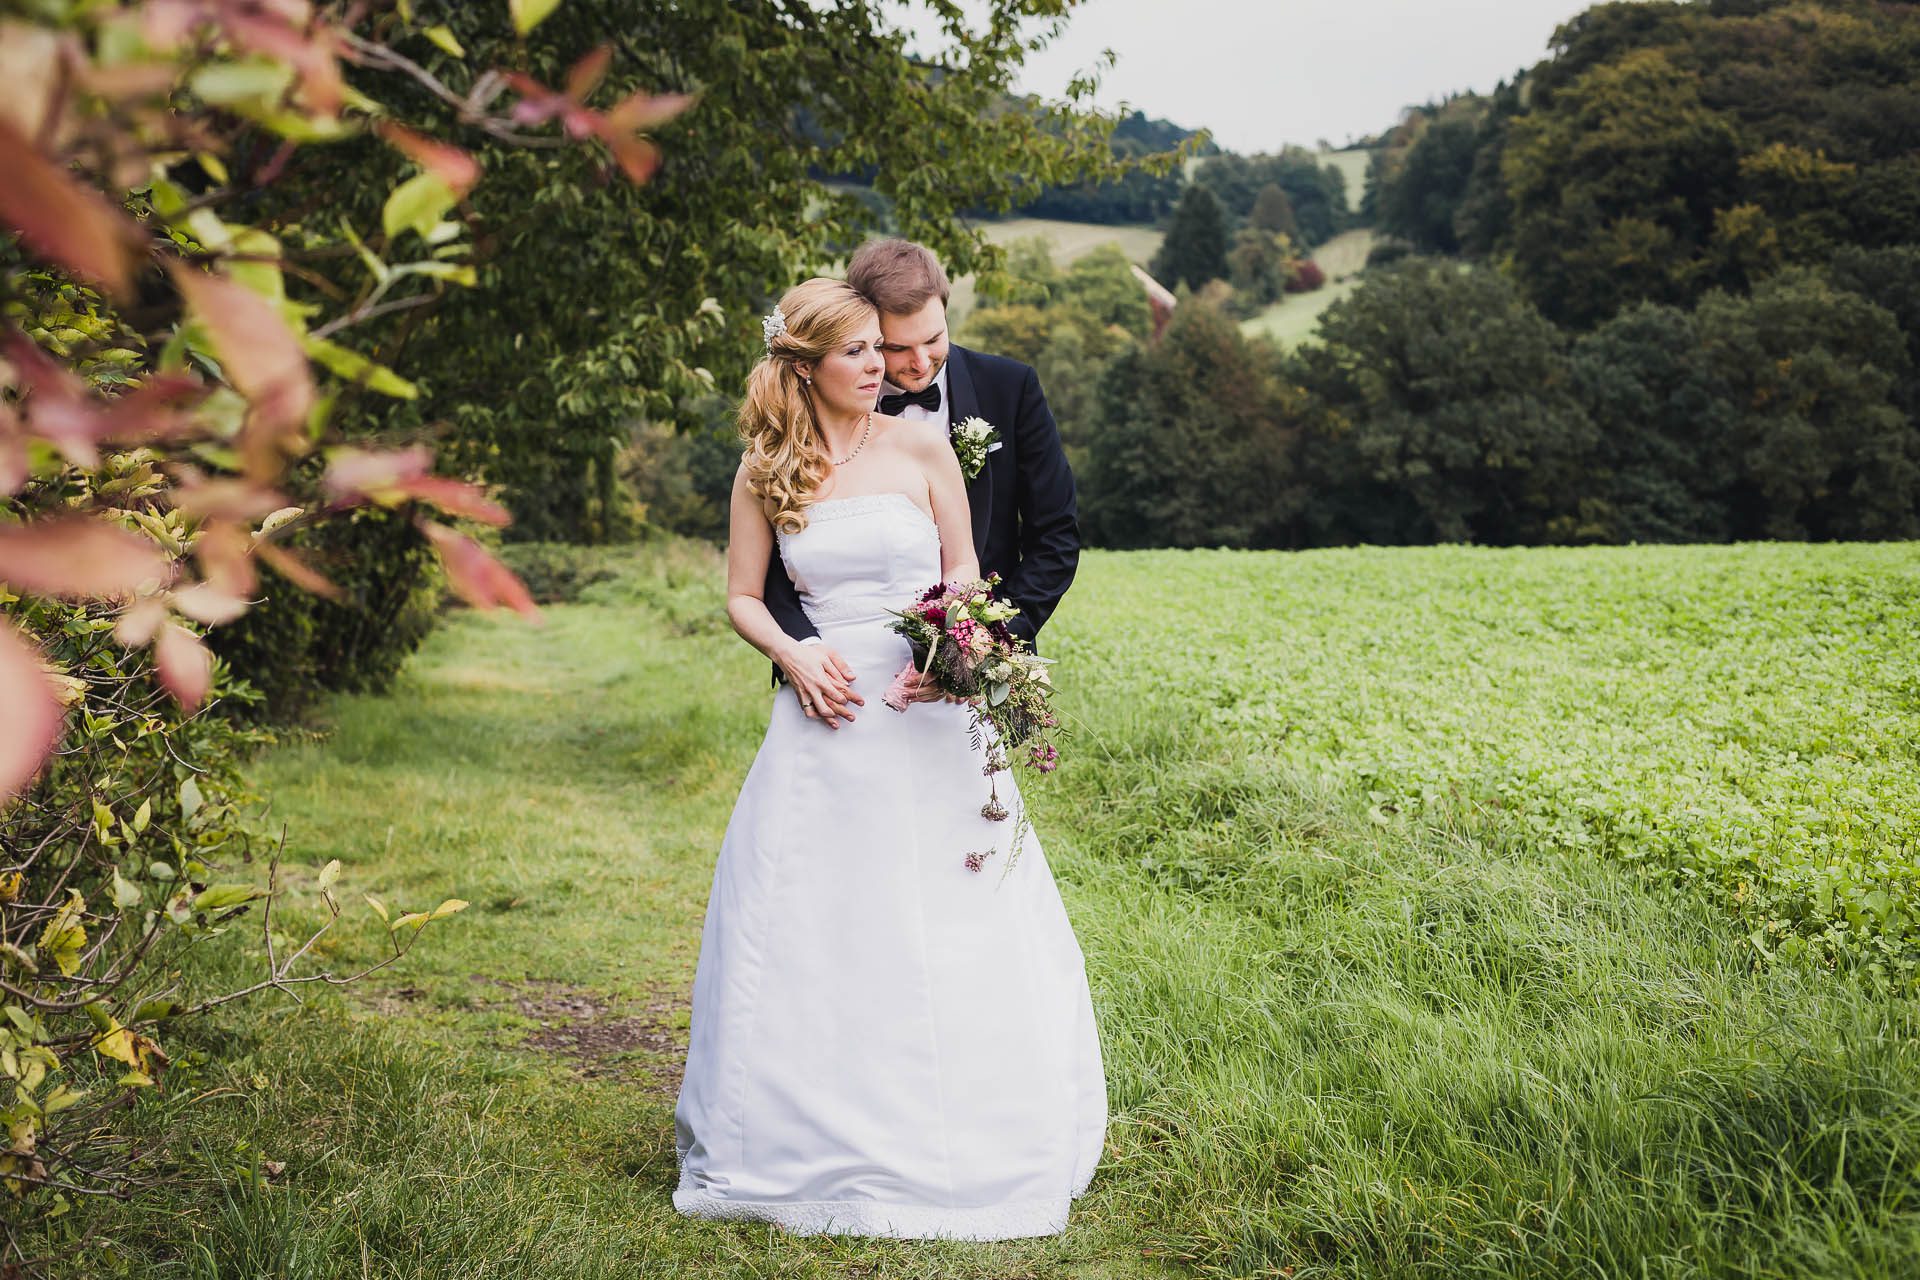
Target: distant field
pixel 1353 167
pixel 1292 320
pixel 1069 240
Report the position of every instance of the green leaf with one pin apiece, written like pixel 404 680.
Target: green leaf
pixel 228 84
pixel 125 893
pixel 219 896
pixel 190 799
pixel 354 366
pixel 377 905
pixel 447 908
pixel 66 934
pixel 443 37
pixel 417 203
pixel 143 815
pixel 528 14
pixel 329 873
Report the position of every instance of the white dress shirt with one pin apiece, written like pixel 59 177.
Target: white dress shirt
pixel 916 413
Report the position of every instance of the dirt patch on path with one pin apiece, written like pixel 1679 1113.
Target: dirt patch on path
pixel 644 1041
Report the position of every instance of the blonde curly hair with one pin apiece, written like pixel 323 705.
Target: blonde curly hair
pixel 786 454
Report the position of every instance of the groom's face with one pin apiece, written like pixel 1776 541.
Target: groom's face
pixel 915 345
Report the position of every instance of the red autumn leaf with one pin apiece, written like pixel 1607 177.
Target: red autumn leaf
pixel 450 164
pixel 643 110
pixel 58 408
pixel 225 498
pixel 355 474
pixel 63 220
pixel 151 410
pixel 130 79
pixel 184 664
pixel 636 157
pixel 136 625
pixel 13 452
pixel 207 603
pixel 33 713
pixel 222 549
pixel 586 74
pixel 538 104
pixel 78 557
pixel 475 576
pixel 295 570
pixel 261 356
pixel 456 497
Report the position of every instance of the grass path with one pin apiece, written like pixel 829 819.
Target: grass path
pixel 1335 1046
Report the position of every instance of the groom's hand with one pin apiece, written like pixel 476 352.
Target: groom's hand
pixel 823 682
pixel 929 691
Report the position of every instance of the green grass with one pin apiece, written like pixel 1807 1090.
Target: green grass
pixel 1352 1029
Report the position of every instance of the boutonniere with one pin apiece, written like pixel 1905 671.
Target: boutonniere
pixel 973 439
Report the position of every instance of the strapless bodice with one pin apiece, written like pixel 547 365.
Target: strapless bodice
pixel 861 556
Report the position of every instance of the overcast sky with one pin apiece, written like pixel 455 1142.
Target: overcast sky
pixel 1263 73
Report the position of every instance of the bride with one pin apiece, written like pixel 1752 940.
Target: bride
pixel 884 1042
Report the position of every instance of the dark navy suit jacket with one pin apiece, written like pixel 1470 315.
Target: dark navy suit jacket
pixel 1025 517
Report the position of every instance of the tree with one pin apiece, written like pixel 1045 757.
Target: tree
pixel 1273 212
pixel 1190 443
pixel 1259 267
pixel 1665 150
pixel 1665 464
pixel 1812 373
pixel 625 304
pixel 1614 190
pixel 1440 409
pixel 1316 191
pixel 1419 202
pixel 1101 283
pixel 185 374
pixel 1195 248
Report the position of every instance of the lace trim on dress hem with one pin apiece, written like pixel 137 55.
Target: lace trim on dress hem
pixel 878 1218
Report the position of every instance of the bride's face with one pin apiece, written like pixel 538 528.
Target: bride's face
pixel 846 380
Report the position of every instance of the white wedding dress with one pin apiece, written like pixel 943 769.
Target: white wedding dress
pixel 884 1042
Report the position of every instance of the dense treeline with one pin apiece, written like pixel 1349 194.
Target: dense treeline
pixel 1683 304
pixel 1440 405
pixel 1666 150
pixel 1137 196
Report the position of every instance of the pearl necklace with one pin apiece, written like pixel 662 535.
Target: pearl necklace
pixel 841 462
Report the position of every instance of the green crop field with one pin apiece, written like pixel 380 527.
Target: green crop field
pixel 1449 911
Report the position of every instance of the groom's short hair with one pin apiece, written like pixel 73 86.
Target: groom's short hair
pixel 897 276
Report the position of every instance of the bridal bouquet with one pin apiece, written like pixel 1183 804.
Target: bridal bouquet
pixel 959 635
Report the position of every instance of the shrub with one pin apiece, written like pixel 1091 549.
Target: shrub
pixel 1305 276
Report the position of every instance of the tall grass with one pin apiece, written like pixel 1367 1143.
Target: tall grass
pixel 1339 1041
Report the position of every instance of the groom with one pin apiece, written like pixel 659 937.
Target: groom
pixel 1025 525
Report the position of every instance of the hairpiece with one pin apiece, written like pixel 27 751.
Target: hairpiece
pixel 772 325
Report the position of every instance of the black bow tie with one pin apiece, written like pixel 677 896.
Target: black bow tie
pixel 928 399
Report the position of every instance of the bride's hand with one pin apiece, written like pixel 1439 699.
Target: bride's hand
pixel 823 682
